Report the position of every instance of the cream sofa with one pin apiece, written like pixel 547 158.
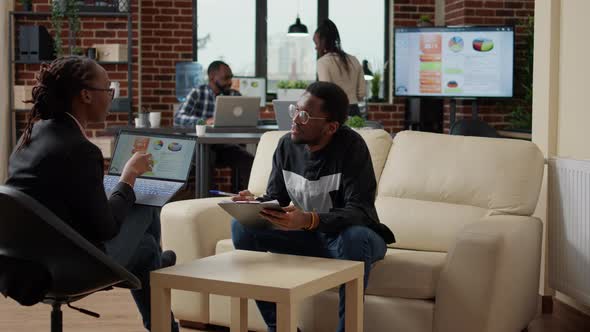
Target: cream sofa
pixel 468 250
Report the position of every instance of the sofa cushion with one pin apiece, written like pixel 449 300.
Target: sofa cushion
pixel 224 246
pixel 402 273
pixel 424 225
pixel 378 142
pixel 406 273
pixel 503 175
pixel 262 164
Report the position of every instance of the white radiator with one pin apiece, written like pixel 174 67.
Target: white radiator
pixel 569 227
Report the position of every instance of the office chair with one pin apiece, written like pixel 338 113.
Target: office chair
pixel 473 127
pixel 46 260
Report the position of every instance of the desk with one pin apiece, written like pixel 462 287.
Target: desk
pixel 284 279
pixel 204 143
pixel 191 130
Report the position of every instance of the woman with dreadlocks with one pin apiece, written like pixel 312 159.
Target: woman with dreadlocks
pixel 56 164
pixel 338 67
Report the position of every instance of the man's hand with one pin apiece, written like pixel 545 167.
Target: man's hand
pixel 244 195
pixel 292 219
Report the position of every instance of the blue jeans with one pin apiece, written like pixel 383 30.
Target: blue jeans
pixel 356 243
pixel 137 248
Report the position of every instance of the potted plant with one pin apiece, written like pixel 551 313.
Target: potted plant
pixel 375 87
pixel 520 118
pixel 60 10
pixel 27 5
pixel 290 90
pixel 201 127
pixel 355 122
pixel 425 21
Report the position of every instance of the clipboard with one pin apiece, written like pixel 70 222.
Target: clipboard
pixel 247 213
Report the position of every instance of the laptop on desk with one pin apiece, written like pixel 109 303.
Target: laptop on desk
pixel 172 156
pixel 281 108
pixel 236 111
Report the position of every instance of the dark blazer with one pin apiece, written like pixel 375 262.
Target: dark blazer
pixel 64 171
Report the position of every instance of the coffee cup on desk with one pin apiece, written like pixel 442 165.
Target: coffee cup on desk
pixel 155 119
pixel 201 129
pixel 117 87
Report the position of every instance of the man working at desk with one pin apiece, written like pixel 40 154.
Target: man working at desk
pixel 200 104
pixel 325 170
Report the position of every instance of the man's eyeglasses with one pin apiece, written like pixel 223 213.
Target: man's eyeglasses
pixel 111 91
pixel 303 116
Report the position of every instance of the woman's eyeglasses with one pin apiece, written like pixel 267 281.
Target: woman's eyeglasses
pixel 111 91
pixel 303 116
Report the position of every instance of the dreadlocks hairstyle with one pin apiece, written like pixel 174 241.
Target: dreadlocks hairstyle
pixel 57 84
pixel 329 36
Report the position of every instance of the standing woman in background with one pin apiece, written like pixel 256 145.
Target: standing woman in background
pixel 338 67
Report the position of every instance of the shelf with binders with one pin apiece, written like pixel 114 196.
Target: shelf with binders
pixel 114 12
pixel 29 62
pixel 118 105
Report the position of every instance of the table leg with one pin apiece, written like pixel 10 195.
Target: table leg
pixel 239 315
pixel 198 171
pixel 354 305
pixel 206 169
pixel 160 298
pixel 286 317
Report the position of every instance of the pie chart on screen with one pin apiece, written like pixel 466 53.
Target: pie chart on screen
pixel 456 44
pixel 452 84
pixel 483 44
pixel 174 147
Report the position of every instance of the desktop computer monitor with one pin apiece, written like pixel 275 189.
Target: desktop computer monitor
pixel 251 87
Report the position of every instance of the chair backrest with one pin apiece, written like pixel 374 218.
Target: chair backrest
pixel 378 141
pixel 471 127
pixel 31 232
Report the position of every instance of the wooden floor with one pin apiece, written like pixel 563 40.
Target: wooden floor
pixel 118 313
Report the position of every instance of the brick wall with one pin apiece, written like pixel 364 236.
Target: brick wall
pixel 167 38
pixel 487 12
pixel 405 14
pixel 93 30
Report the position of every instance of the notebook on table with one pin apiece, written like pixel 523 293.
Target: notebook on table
pixel 172 156
pixel 248 212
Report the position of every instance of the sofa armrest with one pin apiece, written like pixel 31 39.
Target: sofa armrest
pixel 192 229
pixel 490 281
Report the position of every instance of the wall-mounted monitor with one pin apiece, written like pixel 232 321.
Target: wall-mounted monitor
pixel 460 62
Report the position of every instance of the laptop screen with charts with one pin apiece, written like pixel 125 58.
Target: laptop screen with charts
pixel 172 156
pixel 236 111
pixel 281 108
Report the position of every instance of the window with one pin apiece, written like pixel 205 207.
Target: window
pixel 226 32
pixel 361 32
pixel 288 57
pixel 255 43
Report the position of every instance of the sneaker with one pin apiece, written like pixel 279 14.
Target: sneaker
pixel 168 258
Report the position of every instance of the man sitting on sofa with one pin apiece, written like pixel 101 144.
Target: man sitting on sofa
pixel 325 170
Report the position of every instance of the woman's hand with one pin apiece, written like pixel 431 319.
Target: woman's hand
pixel 137 165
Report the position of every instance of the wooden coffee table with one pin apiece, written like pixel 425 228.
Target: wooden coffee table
pixel 243 275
